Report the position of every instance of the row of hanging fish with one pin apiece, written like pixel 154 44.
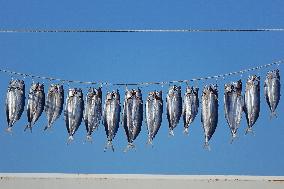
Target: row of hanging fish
pixel 93 112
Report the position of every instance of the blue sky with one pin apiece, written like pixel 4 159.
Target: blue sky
pixel 137 57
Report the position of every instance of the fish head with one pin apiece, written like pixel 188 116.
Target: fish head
pixel 228 88
pixel 78 93
pixel 71 92
pixel 40 87
pixel 116 95
pixel 138 93
pixel 158 95
pixel 108 96
pixel 98 92
pixel 128 94
pixel 17 84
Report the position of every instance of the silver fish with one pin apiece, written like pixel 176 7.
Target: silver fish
pixel 73 111
pixel 132 115
pixel 233 106
pixel 154 111
pixel 93 111
pixel 36 101
pixel 209 113
pixel 53 104
pixel 190 106
pixel 252 101
pixel 272 90
pixel 111 116
pixel 174 107
pixel 15 102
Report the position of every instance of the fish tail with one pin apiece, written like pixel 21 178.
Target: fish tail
pixel 171 132
pixel 150 141
pixel 186 131
pixel 207 146
pixel 273 115
pixel 249 130
pixel 89 138
pixel 109 145
pixel 70 139
pixel 9 130
pixel 234 137
pixel 129 146
pixel 29 126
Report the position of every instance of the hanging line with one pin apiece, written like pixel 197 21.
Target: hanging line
pixel 143 83
pixel 136 30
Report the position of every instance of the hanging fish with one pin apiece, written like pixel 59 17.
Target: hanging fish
pixel 190 106
pixel 15 102
pixel 132 115
pixel 272 90
pixel 154 111
pixel 252 101
pixel 111 116
pixel 54 104
pixel 93 111
pixel 209 113
pixel 73 111
pixel 36 102
pixel 174 107
pixel 233 106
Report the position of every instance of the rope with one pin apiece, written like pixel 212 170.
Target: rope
pixel 135 30
pixel 143 83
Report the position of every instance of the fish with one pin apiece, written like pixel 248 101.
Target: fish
pixel 233 106
pixel 272 91
pixel 93 111
pixel 111 117
pixel 15 102
pixel 209 112
pixel 252 101
pixel 73 112
pixel 53 104
pixel 174 107
pixel 190 106
pixel 154 111
pixel 35 106
pixel 132 115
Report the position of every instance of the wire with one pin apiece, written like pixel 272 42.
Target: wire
pixel 136 30
pixel 143 83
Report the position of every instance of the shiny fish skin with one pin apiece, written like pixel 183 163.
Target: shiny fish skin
pixel 272 90
pixel 209 113
pixel 190 106
pixel 252 101
pixel 93 111
pixel 111 116
pixel 53 104
pixel 174 107
pixel 132 115
pixel 233 106
pixel 35 106
pixel 73 111
pixel 15 102
pixel 154 111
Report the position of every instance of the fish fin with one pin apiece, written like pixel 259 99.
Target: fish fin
pixel 29 126
pixel 70 139
pixel 109 145
pixel 207 146
pixel 129 147
pixel 150 142
pixel 186 131
pixel 273 115
pixel 249 130
pixel 48 127
pixel 89 138
pixel 9 130
pixel 171 133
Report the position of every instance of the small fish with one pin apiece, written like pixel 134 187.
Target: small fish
pixel 272 90
pixel 132 115
pixel 252 101
pixel 174 107
pixel 73 111
pixel 54 104
pixel 190 106
pixel 233 106
pixel 15 102
pixel 36 102
pixel 93 111
pixel 154 111
pixel 111 116
pixel 209 113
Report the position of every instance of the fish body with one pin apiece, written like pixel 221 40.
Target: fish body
pixel 190 106
pixel 111 116
pixel 252 101
pixel 73 111
pixel 15 102
pixel 154 111
pixel 233 105
pixel 93 111
pixel 36 102
pixel 53 104
pixel 209 113
pixel 174 107
pixel 132 115
pixel 272 90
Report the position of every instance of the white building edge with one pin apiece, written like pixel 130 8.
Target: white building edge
pixel 137 181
